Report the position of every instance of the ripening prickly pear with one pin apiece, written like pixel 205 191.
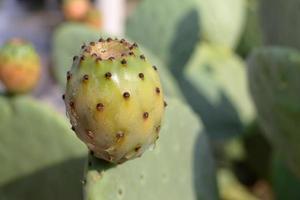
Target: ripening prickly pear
pixel 114 99
pixel 19 66
pixel 75 10
pixel 93 18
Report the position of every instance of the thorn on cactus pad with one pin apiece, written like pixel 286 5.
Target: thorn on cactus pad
pixel 85 77
pixel 82 58
pixel 141 75
pixel 157 90
pixel 123 62
pixel 63 96
pixel 122 40
pixel 131 53
pixel 94 55
pixel 142 57
pixel 92 43
pixel 90 134
pixel 145 115
pixel 72 105
pixel 83 46
pixel 134 45
pixel 73 128
pixel 111 58
pixel 126 95
pixel 109 39
pixel 101 40
pixel 165 104
pixel 75 58
pixel 108 75
pixel 100 106
pixel 88 50
pixel 69 75
pixel 98 59
pixel 120 135
pixel 158 128
pixel 154 67
pixel 137 148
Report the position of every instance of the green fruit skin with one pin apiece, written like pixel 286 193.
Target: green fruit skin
pixel 274 83
pixel 115 105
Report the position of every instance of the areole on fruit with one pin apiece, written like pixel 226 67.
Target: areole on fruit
pixel 114 99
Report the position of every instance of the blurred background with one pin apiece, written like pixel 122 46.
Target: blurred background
pixel 234 64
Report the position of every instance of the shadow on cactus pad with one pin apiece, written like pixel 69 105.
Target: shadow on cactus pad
pixel 40 156
pixel 179 167
pixel 214 83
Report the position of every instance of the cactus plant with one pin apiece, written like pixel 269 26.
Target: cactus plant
pixel 214 82
pixel 179 167
pixel 171 29
pixel 114 99
pixel 19 66
pixel 273 76
pixel 40 156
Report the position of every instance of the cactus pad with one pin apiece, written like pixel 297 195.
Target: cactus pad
pixel 274 83
pixel 214 82
pixel 40 156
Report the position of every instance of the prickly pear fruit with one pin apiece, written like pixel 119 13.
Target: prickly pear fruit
pixel 75 10
pixel 114 99
pixel 19 66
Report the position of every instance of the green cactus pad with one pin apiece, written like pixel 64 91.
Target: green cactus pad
pixel 40 156
pixel 252 36
pixel 179 167
pixel 274 83
pixel 171 29
pixel 214 83
pixel 280 24
pixel 223 21
pixel 285 183
pixel 67 41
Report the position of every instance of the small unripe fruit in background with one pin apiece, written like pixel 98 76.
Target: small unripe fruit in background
pixel 19 66
pixel 93 18
pixel 114 100
pixel 75 10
